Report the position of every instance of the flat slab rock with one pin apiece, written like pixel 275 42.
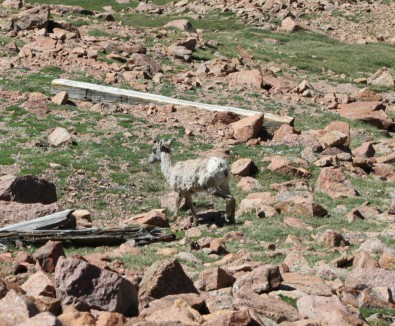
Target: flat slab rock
pixel 308 284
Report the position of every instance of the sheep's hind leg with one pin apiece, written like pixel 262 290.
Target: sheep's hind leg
pixel 188 198
pixel 230 201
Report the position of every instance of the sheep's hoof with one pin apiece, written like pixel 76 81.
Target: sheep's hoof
pixel 231 220
pixel 194 221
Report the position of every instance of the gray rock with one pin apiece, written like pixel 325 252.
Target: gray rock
pixel 27 189
pixel 78 281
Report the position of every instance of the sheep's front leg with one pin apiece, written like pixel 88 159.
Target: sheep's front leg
pixel 230 202
pixel 188 198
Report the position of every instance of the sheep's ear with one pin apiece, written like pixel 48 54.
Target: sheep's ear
pixel 169 142
pixel 161 143
pixel 155 141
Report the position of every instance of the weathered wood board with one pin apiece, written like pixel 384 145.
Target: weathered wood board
pixel 141 234
pixel 60 219
pixel 98 93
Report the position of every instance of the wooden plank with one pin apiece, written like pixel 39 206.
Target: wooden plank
pixel 45 222
pixel 98 93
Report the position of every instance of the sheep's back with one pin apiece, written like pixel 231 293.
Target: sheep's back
pixel 195 174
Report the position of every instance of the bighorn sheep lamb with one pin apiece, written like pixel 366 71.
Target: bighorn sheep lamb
pixel 208 174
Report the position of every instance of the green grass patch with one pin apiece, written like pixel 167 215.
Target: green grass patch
pixel 289 300
pixel 367 311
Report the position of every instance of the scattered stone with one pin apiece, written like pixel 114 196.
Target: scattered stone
pixel 250 78
pixel 225 118
pixel 155 217
pixel 300 205
pixel 247 128
pixel 217 246
pixel 332 239
pixel 248 184
pixel 184 49
pixel 83 218
pixel 41 319
pixel 38 284
pixel 261 280
pixel 333 138
pixel 242 167
pixel 367 95
pixel 231 317
pixel 283 131
pixel 296 223
pixel 365 150
pixel 387 260
pixel 179 312
pixel 214 279
pixel 382 77
pixel 333 182
pixel 59 136
pixel 61 98
pixel 48 255
pixel 181 24
pixel 282 165
pixel 165 278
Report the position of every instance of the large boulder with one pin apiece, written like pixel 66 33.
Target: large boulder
pixel 27 189
pixel 78 281
pixel 165 278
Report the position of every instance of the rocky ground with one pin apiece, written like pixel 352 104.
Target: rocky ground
pixel 313 242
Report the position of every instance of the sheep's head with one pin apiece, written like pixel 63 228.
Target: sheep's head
pixel 158 148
